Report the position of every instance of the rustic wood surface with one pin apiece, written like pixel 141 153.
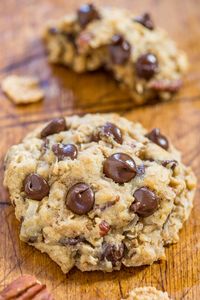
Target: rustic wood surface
pixel 66 93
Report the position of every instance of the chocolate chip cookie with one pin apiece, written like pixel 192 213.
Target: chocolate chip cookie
pixel 98 191
pixel 141 56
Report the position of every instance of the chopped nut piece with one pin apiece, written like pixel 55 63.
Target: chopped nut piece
pixel 26 287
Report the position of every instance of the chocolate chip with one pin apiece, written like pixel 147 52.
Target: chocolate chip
pixel 172 163
pixel 36 187
pixel 104 228
pixel 156 137
pixel 109 129
pixel 86 14
pixel 69 36
pixel 80 198
pixel 54 126
pixel 71 241
pixel 146 202
pixel 32 239
pixel 53 30
pixel 65 150
pixel 120 167
pixel 146 66
pixel 113 253
pixel 119 50
pixel 145 20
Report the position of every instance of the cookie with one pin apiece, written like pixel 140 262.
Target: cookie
pixel 147 293
pixel 22 89
pixel 141 56
pixel 98 192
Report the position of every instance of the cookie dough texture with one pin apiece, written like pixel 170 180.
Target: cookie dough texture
pixel 119 41
pixel 147 293
pixel 116 223
pixel 22 89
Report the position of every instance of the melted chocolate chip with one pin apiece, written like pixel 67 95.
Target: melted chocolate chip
pixel 172 163
pixel 156 137
pixel 36 187
pixel 113 253
pixel 65 150
pixel 109 129
pixel 86 14
pixel 104 228
pixel 80 198
pixel 146 66
pixel 120 167
pixel 54 126
pixel 145 20
pixel 146 202
pixel 119 50
pixel 71 241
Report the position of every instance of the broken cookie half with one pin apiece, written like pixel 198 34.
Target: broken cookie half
pixel 141 56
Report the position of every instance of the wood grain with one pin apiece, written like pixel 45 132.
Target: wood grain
pixel 22 52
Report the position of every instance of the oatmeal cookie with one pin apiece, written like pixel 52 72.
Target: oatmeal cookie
pixel 98 192
pixel 141 56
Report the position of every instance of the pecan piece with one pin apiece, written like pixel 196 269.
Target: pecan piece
pixel 104 228
pixel 26 287
pixel 166 86
pixel 83 41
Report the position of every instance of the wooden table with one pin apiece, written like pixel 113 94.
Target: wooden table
pixel 21 52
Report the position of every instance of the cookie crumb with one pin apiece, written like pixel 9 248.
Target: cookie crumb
pixel 22 89
pixel 147 293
